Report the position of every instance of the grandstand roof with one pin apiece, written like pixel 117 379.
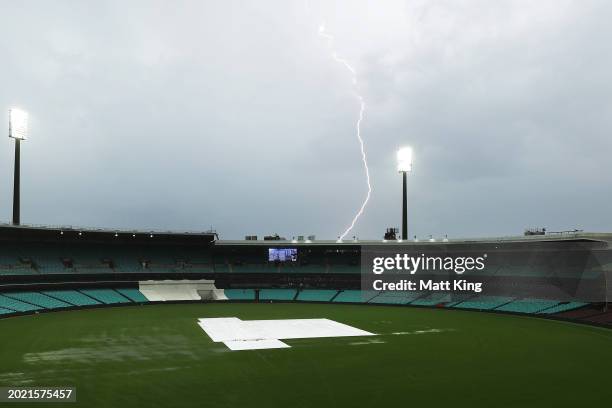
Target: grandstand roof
pixel 566 236
pixel 13 233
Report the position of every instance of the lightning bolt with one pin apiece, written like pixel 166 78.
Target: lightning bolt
pixel 330 43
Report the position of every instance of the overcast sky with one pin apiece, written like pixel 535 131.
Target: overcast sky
pixel 233 114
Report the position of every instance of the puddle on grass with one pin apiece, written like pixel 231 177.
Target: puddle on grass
pixel 115 349
pixel 426 331
pixel 36 376
pixel 150 370
pixel 17 378
pixel 366 342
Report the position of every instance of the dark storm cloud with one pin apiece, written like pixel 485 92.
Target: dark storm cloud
pixel 186 115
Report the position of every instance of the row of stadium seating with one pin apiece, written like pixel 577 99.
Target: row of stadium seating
pixel 13 302
pixel 240 294
pixel 395 298
pixel 277 294
pixel 482 302
pixel 354 296
pixel 268 267
pixel 308 295
pixel 97 265
pixel 57 258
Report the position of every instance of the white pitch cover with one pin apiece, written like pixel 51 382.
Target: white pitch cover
pixel 237 334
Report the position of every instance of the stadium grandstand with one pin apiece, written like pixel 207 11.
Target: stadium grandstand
pixel 57 268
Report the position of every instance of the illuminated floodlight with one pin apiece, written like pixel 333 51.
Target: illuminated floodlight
pixel 18 123
pixel 404 159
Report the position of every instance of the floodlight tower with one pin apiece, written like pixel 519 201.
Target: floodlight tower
pixel 18 129
pixel 404 166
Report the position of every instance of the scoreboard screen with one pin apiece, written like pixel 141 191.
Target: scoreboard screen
pixel 282 254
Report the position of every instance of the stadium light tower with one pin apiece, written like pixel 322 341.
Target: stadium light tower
pixel 18 129
pixel 404 166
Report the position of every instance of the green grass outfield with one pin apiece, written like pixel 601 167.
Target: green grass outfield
pixel 157 356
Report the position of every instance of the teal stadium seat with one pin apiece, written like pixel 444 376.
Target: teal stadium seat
pixel 316 295
pixel 38 299
pixel 563 307
pixel 395 298
pixel 72 296
pixel 432 299
pixel 197 267
pixel 354 296
pixel 16 269
pixel 106 296
pixel 458 298
pixel 240 294
pixel 17 305
pixel 133 294
pixel 127 262
pixel 221 267
pixel 48 263
pixel 277 294
pixel 12 302
pixel 11 261
pixel 528 305
pixel 483 302
pixel 4 311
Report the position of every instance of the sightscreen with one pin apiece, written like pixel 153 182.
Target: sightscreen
pixel 282 254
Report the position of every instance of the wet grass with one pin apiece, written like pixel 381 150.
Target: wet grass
pixel 157 356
